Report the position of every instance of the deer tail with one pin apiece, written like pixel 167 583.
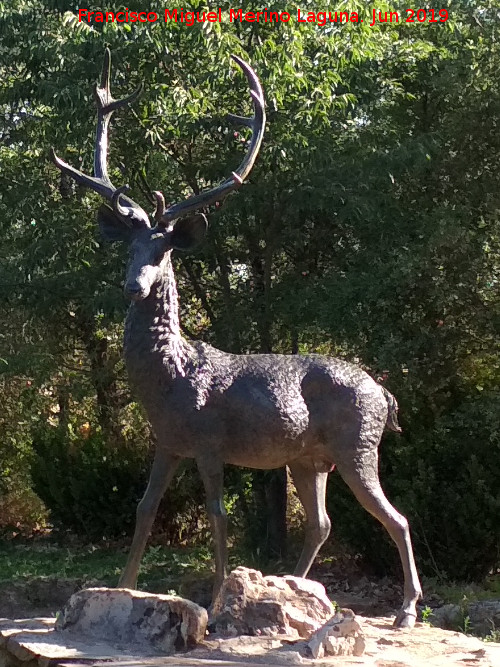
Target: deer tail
pixel 392 412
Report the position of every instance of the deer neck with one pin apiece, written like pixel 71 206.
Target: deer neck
pixel 153 341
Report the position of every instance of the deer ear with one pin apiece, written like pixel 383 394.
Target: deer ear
pixel 189 232
pixel 110 225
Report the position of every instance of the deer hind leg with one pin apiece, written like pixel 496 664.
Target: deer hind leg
pixel 361 475
pixel 162 471
pixel 311 489
pixel 212 475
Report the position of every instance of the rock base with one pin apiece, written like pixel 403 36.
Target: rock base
pixel 251 604
pixel 483 616
pixel 342 635
pixel 34 643
pixel 124 617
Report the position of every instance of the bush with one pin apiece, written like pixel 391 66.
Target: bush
pixel 92 487
pixel 21 510
pixel 88 486
pixel 447 482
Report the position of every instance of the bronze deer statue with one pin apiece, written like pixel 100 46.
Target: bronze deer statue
pixel 262 411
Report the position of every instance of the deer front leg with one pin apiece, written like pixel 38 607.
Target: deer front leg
pixel 162 472
pixel 212 474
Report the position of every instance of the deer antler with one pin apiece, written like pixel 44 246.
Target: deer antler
pixel 130 212
pixel 123 206
pixel 219 192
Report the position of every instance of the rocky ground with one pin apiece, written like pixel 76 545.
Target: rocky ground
pixel 423 646
pixel 374 600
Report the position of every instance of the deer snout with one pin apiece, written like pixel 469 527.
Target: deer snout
pixel 135 291
pixel 140 277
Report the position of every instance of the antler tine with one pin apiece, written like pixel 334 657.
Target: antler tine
pixel 257 124
pixel 106 105
pixel 123 206
pixel 160 205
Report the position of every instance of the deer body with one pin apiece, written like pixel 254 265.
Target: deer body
pixel 269 404
pixel 262 411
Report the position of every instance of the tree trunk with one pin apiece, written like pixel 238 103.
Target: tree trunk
pixel 102 372
pixel 269 486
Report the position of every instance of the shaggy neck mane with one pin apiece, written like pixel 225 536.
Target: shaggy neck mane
pixel 155 321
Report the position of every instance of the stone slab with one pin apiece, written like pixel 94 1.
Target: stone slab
pixel 424 646
pixel 127 618
pixel 35 639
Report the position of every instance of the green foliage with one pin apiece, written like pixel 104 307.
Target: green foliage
pixel 101 562
pixel 21 511
pixel 89 486
pixel 454 490
pixel 426 615
pixel 92 487
pixel 444 481
pixel 493 636
pixel 25 561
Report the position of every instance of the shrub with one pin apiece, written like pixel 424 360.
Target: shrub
pixel 447 482
pixel 88 486
pixel 92 487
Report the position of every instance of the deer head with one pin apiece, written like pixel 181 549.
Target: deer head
pixel 177 226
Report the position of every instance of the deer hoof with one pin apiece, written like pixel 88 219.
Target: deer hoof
pixel 404 619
